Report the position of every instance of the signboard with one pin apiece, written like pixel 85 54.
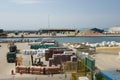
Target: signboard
pixel 90 63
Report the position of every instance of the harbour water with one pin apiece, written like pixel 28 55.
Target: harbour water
pixel 72 39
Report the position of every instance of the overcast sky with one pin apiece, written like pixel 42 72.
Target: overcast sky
pixel 33 14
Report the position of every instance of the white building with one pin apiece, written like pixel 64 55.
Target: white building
pixel 115 29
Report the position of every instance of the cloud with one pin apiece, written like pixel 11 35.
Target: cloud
pixel 26 1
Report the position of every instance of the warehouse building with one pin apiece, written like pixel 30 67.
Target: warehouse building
pixel 115 29
pixel 56 30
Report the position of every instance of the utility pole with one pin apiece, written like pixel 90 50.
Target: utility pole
pixel 48 21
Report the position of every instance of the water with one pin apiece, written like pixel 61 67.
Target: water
pixel 73 39
pixel 87 39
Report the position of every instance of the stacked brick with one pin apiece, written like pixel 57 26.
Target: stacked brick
pixel 37 70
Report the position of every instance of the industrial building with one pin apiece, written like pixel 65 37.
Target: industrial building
pixel 115 29
pixel 56 30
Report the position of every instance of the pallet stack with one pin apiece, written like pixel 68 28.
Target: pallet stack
pixel 51 51
pixel 69 66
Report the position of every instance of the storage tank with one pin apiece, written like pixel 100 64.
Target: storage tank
pixel 115 29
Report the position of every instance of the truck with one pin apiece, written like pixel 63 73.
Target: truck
pixel 11 57
pixel 12 48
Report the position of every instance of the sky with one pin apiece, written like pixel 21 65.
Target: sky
pixel 36 14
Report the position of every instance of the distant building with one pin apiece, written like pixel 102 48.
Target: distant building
pixel 115 29
pixel 2 33
pixel 57 30
pixel 98 30
pixel 1 30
